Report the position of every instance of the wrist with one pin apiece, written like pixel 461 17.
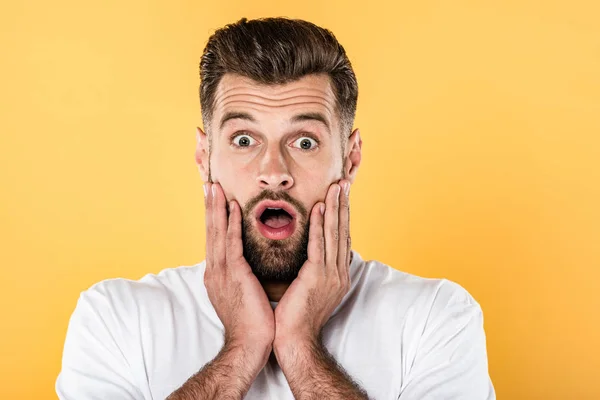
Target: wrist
pixel 304 340
pixel 295 349
pixel 246 357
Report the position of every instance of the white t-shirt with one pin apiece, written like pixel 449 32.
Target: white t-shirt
pixel 397 335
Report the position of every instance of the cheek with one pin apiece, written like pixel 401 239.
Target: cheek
pixel 322 174
pixel 315 186
pixel 236 180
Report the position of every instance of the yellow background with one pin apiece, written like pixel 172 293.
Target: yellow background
pixel 480 123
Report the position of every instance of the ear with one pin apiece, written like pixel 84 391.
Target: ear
pixel 202 154
pixel 353 155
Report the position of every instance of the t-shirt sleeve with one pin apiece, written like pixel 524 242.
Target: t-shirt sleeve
pixel 451 360
pixel 94 365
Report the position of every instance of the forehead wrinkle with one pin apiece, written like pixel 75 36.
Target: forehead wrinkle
pixel 270 100
pixel 319 82
pixel 291 101
pixel 279 89
pixel 274 92
pixel 235 92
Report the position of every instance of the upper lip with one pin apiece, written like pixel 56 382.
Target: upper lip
pixel 263 205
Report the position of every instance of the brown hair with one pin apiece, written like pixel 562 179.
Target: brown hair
pixel 278 51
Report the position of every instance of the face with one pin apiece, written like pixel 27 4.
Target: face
pixel 275 149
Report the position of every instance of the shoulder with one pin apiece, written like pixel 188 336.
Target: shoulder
pixel 122 295
pixel 383 280
pixel 439 327
pixel 409 295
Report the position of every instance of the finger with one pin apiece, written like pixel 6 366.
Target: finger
pixel 331 228
pixel 349 250
pixel 219 213
pixel 235 250
pixel 349 254
pixel 344 229
pixel 316 240
pixel 209 222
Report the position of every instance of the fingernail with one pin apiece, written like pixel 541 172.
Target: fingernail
pixel 214 190
pixel 322 208
pixel 346 188
pixel 231 205
pixel 205 186
pixel 339 190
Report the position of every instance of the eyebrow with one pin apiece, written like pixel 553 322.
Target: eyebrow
pixel 235 115
pixel 311 116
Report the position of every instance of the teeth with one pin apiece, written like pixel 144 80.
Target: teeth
pixel 269 208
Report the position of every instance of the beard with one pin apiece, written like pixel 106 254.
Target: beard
pixel 270 259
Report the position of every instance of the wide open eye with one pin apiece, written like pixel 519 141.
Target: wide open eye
pixel 243 140
pixel 305 143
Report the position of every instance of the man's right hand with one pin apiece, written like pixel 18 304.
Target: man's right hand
pixel 234 291
pixel 241 304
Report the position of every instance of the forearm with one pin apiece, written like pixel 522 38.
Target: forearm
pixel 228 376
pixel 313 373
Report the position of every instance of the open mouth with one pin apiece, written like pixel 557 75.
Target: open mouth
pixel 275 219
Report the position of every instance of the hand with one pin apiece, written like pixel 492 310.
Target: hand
pixel 323 280
pixel 234 291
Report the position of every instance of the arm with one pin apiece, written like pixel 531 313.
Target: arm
pixel 228 376
pixel 240 303
pixel 94 363
pixel 308 303
pixel 313 373
pixel 451 361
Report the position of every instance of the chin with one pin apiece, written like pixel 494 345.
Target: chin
pixel 275 260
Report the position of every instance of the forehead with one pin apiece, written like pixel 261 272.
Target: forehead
pixel 309 93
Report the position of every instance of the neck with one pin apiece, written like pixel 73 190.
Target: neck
pixel 275 290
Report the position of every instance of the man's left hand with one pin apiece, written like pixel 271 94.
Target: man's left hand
pixel 323 280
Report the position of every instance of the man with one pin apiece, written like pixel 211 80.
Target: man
pixel 282 307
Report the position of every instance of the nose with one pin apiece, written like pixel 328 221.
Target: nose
pixel 274 173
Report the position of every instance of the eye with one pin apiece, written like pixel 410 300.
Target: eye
pixel 306 143
pixel 243 140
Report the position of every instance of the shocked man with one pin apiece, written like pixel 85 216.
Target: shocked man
pixel 282 307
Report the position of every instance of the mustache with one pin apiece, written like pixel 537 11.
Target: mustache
pixel 268 194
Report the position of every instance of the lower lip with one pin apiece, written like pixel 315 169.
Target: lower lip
pixel 276 233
